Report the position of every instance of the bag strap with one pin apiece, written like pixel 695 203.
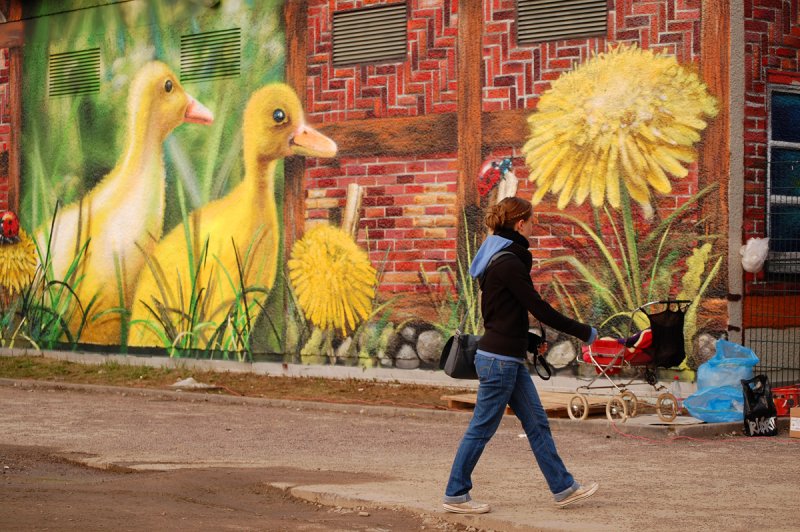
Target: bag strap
pixel 540 360
pixel 491 261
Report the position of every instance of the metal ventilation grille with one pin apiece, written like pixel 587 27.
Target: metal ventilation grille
pixel 211 55
pixel 370 34
pixel 549 20
pixel 72 73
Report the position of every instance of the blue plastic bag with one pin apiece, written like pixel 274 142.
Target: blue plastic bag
pixel 731 364
pixel 720 404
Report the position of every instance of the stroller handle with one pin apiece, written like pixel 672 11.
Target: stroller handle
pixel 682 304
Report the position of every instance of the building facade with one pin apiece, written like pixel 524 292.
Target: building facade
pixel 653 136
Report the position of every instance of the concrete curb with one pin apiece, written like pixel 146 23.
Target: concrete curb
pixel 279 369
pixel 321 494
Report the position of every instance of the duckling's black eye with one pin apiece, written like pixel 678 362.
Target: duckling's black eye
pixel 278 115
pixel 168 85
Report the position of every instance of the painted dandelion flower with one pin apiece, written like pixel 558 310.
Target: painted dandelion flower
pixel 332 278
pixel 626 117
pixel 17 264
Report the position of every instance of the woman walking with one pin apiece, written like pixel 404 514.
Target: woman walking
pixel 507 297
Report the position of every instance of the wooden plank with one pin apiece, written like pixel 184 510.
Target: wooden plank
pixel 713 157
pixel 12 34
pixel 469 48
pixel 470 134
pixel 505 128
pixel 465 401
pixel 421 135
pixel 554 403
pixel 401 136
pixel 294 169
pixel 15 107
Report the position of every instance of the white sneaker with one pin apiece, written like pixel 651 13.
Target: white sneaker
pixel 469 507
pixel 584 492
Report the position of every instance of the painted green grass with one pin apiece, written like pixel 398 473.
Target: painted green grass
pixel 42 314
pixel 645 269
pixel 71 142
pixel 184 327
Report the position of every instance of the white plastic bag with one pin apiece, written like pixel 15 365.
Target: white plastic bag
pixel 754 253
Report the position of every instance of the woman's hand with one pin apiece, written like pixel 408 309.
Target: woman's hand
pixel 592 337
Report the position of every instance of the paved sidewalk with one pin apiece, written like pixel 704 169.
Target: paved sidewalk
pixel 648 478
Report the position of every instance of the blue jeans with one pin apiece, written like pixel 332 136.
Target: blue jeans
pixel 506 383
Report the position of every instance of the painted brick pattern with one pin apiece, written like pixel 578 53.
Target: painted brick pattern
pixel 554 237
pixel 772 50
pixel 424 83
pixel 408 215
pixel 408 219
pixel 5 128
pixel 516 74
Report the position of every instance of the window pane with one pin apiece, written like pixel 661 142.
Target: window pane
pixel 784 233
pixel 784 116
pixel 784 172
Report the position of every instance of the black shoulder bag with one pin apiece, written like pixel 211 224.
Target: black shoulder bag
pixel 458 356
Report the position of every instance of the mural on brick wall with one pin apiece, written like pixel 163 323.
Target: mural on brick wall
pixel 152 231
pixel 614 133
pixel 234 244
pixel 156 202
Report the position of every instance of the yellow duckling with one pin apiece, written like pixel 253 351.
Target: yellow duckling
pixel 125 211
pixel 273 128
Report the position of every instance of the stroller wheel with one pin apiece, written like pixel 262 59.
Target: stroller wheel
pixel 578 407
pixel 666 407
pixel 616 410
pixel 631 402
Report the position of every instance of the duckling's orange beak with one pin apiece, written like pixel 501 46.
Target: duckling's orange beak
pixel 197 113
pixel 311 143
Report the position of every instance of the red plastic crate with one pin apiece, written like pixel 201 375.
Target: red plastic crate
pixel 786 397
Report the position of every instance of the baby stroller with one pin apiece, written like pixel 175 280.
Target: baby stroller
pixel 658 346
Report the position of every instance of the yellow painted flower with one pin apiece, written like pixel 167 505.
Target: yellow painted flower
pixel 17 264
pixel 627 116
pixel 332 278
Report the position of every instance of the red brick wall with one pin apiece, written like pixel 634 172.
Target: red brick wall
pixel 772 50
pixel 517 74
pixel 408 210
pixel 409 203
pixel 425 83
pixel 5 128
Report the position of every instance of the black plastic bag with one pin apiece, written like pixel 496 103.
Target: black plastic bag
pixel 760 415
pixel 458 356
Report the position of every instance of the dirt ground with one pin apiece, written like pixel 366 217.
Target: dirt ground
pixel 43 491
pixel 212 463
pixel 344 391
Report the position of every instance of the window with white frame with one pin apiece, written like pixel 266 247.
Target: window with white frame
pixel 783 180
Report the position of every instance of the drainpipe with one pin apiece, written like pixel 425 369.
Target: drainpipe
pixel 736 76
